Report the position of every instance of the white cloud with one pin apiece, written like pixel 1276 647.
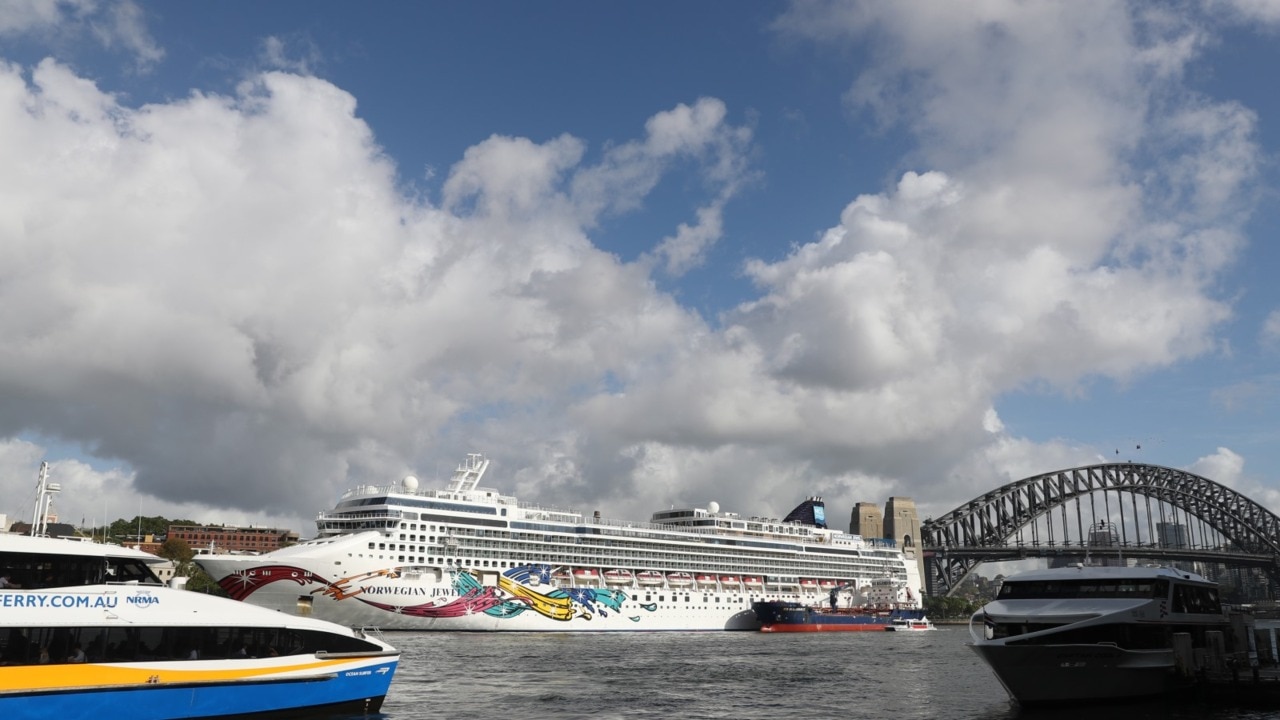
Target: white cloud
pixel 1269 335
pixel 1252 11
pixel 1227 467
pixel 119 24
pixel 230 294
pixel 28 16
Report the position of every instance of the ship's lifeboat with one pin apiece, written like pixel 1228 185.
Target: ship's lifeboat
pixel 753 582
pixel 581 574
pixel 706 580
pixel 679 579
pixel 649 577
pixel 728 580
pixel 560 577
pixel 617 577
pixel 828 584
pixel 808 584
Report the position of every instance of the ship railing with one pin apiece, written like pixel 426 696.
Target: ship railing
pixel 378 515
pixel 694 529
pixel 533 507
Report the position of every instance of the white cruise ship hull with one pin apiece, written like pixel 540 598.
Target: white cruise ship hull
pixel 470 601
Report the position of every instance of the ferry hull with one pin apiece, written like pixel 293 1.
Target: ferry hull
pixel 1043 674
pixel 163 691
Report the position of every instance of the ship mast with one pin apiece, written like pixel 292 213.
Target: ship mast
pixel 45 491
pixel 468 474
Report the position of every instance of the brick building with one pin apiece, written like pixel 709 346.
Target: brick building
pixel 225 539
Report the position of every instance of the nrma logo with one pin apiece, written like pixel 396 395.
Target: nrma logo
pixel 143 600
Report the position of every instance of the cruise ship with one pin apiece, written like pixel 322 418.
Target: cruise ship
pixel 468 558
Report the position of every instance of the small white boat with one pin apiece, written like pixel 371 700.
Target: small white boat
pixel 679 579
pixel 618 576
pixel 910 625
pixel 650 577
pixel 707 581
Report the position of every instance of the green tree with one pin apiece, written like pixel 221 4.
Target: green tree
pixel 200 581
pixel 177 550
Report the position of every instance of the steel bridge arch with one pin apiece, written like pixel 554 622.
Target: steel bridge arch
pixel 954 543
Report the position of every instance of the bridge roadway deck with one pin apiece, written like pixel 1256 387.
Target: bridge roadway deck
pixel 1008 553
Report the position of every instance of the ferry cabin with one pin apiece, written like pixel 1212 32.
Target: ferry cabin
pixel 1182 606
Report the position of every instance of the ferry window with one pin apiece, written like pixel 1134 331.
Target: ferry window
pixel 1042 589
pixel 1191 599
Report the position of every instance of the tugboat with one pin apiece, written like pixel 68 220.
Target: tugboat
pixel 886 605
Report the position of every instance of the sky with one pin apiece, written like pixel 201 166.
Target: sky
pixel 640 255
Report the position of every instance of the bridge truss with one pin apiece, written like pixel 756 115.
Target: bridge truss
pixel 1110 510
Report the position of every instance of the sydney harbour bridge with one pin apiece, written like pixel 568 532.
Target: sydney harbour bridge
pixel 1107 513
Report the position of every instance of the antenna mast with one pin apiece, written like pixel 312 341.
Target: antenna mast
pixel 45 491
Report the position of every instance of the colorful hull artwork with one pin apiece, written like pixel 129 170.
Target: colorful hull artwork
pixel 514 594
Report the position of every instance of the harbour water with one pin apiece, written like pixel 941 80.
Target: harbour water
pixel 741 675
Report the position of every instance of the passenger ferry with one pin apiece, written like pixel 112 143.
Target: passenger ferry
pixel 470 558
pixel 1095 633
pixel 87 630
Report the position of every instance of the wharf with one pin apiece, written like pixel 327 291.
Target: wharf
pixel 1249 675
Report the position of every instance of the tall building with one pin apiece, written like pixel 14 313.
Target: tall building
pixel 866 521
pixel 1172 535
pixel 902 525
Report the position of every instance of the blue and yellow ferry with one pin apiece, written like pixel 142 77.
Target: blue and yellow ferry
pixel 87 630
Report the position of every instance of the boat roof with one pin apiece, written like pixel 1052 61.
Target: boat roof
pixel 1099 572
pixel 14 543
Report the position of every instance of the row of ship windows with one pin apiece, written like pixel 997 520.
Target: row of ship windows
pixel 495 564
pixel 732 560
pixel 503 533
pixel 603 548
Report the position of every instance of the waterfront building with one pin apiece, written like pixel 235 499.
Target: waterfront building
pixel 231 539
